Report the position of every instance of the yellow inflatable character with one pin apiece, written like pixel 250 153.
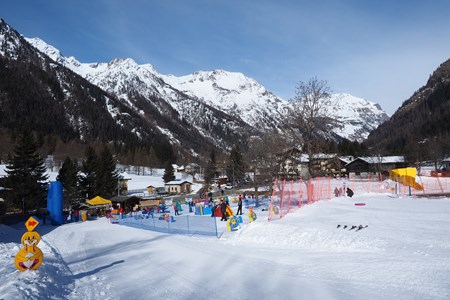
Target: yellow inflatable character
pixel 251 215
pixel 30 257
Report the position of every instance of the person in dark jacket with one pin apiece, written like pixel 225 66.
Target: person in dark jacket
pixel 239 210
pixel 223 209
pixel 349 192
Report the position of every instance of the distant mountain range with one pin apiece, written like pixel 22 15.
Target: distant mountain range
pixel 232 93
pixel 124 102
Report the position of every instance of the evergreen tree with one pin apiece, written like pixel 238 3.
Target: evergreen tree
pixel 68 176
pixel 106 174
pixel 168 173
pixel 26 175
pixel 235 169
pixel 211 168
pixel 88 177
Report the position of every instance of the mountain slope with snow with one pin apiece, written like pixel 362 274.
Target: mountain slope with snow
pixel 141 87
pixel 233 93
pixel 356 117
pixel 228 100
pixel 39 94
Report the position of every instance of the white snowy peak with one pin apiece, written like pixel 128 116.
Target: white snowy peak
pixel 356 117
pixel 93 70
pixel 230 92
pixel 10 40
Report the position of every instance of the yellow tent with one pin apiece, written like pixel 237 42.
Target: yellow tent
pixel 98 201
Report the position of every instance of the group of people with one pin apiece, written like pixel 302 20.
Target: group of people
pixel 223 208
pixel 338 192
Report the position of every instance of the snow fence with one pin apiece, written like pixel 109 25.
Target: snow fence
pixel 189 225
pixel 289 195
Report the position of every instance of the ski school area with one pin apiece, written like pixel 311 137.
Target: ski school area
pixel 390 240
pixel 194 217
pixel 200 216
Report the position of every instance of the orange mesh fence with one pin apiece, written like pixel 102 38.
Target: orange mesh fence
pixel 287 196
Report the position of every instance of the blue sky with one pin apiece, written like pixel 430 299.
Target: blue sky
pixel 382 50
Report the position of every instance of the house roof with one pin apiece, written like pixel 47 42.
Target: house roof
pixel 193 165
pixel 346 159
pixel 381 159
pixel 177 182
pixel 124 176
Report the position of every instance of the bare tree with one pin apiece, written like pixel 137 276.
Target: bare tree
pixel 262 156
pixel 308 120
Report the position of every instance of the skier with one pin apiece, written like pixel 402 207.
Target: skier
pixel 349 192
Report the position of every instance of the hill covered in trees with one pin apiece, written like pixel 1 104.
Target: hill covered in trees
pixel 420 128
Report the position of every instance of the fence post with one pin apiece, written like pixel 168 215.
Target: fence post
pixel 215 224
pixel 189 230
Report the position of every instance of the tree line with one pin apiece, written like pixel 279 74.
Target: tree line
pixel 26 183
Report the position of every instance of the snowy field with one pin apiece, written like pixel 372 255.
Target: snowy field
pixel 403 253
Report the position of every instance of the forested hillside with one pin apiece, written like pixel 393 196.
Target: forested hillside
pixel 421 126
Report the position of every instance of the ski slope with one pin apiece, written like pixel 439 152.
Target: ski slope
pixel 404 253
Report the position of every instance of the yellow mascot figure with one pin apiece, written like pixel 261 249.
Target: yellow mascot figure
pixel 251 215
pixel 30 257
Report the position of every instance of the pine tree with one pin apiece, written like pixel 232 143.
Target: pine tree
pixel 88 177
pixel 211 168
pixel 168 173
pixel 68 176
pixel 26 179
pixel 236 168
pixel 106 174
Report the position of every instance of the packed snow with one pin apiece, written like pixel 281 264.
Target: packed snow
pixel 310 253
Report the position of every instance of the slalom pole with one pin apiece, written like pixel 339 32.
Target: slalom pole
pixel 282 199
pixel 275 184
pixel 290 196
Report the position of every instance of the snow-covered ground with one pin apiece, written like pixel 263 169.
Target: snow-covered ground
pixel 404 253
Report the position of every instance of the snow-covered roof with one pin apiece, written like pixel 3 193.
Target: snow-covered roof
pixel 124 176
pixel 324 155
pixel 193 165
pixel 177 182
pixel 382 159
pixel 346 159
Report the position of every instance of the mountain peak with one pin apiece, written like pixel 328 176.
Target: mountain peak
pixel 232 93
pixel 42 46
pixel 10 40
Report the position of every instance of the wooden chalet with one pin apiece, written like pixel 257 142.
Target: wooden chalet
pixel 364 167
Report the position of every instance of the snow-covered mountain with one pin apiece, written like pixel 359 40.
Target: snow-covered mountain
pixel 233 93
pixel 142 87
pixel 236 94
pixel 229 100
pixel 39 94
pixel 356 117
